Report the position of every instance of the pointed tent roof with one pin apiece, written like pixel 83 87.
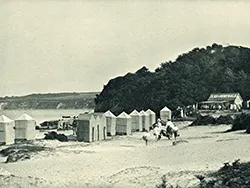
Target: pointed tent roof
pixel 149 111
pixel 5 119
pixel 143 113
pixel 26 117
pixel 124 115
pixel 109 114
pixel 96 114
pixel 103 118
pixel 135 113
pixel 165 109
pixel 98 118
pixel 86 116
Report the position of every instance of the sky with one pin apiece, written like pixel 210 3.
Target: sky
pixel 51 46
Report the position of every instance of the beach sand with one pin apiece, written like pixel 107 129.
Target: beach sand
pixel 126 161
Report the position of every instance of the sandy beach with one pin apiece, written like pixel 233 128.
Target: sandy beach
pixel 126 161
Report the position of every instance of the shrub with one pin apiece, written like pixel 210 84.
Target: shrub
pixel 225 120
pixel 248 129
pixel 241 122
pixel 49 136
pixel 62 138
pixel 163 183
pixel 20 151
pixel 204 120
pixel 54 136
pixel 17 156
pixel 210 120
pixel 229 176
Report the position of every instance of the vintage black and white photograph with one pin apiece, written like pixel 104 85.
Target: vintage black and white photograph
pixel 124 94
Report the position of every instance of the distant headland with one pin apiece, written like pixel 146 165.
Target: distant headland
pixel 71 100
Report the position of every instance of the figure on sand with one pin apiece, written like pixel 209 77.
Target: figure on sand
pixel 161 128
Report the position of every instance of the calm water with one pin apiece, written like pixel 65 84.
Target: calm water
pixel 42 115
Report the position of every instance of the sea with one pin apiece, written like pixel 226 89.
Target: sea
pixel 43 115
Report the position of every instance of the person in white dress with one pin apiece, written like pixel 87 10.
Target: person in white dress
pixel 157 132
pixel 172 128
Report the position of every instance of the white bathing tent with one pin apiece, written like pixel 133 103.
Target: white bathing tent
pixel 152 117
pixel 145 120
pixel 136 121
pixel 100 127
pixel 165 114
pixel 103 130
pixel 110 123
pixel 7 132
pixel 85 129
pixel 123 124
pixel 25 127
pixel 97 127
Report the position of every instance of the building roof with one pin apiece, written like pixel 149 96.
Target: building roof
pixel 98 114
pixel 135 113
pixel 165 109
pixel 211 102
pixel 223 96
pixel 124 115
pixel 143 113
pixel 86 116
pixel 97 118
pixel 25 117
pixel 5 119
pixel 109 114
pixel 149 111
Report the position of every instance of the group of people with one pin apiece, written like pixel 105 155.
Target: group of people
pixel 161 128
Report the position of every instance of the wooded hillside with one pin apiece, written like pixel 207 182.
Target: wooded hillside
pixel 187 80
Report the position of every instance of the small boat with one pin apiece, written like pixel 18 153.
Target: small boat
pixel 49 125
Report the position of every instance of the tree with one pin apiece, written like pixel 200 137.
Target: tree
pixel 189 79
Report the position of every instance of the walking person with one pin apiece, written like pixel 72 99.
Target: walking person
pixel 172 129
pixel 145 137
pixel 74 125
pixel 157 132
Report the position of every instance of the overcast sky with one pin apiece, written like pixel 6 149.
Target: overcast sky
pixel 76 45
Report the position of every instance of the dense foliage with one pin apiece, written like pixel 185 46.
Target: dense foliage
pixel 229 176
pixel 241 122
pixel 187 80
pixel 210 120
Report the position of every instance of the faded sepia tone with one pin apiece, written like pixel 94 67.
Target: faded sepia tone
pixel 57 45
pixel 73 115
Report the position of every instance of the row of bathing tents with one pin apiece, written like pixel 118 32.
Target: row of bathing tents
pixel 95 127
pixel 90 127
pixel 20 128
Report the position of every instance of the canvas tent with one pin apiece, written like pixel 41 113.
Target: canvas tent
pixel 98 128
pixel 123 124
pixel 103 130
pixel 110 123
pixel 136 121
pixel 85 128
pixel 165 114
pixel 145 120
pixel 25 127
pixel 7 132
pixel 91 127
pixel 152 117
